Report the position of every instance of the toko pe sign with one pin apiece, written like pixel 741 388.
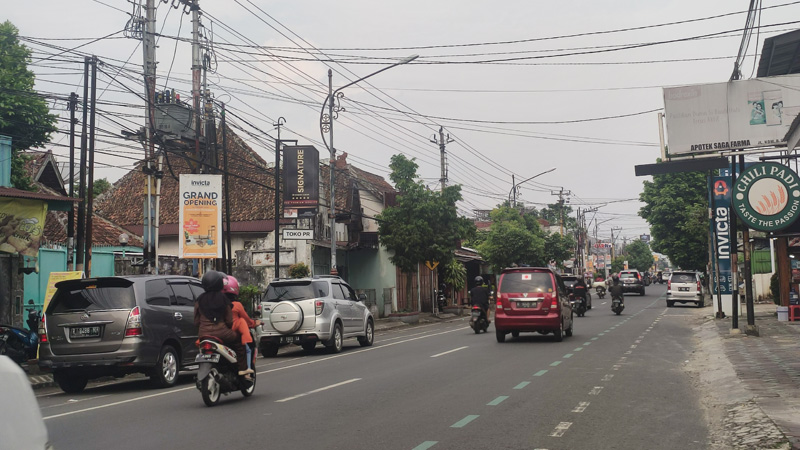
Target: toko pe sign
pixel 766 196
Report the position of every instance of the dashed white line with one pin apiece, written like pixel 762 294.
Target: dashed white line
pixel 608 377
pixel 596 390
pixel 449 351
pixel 581 407
pixel 561 428
pixel 317 390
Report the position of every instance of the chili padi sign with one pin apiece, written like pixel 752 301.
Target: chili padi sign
pixel 766 196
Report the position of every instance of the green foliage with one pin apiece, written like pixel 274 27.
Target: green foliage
pixel 618 264
pixel 248 295
pixel 99 187
pixel 24 115
pixel 299 270
pixel 513 239
pixel 558 247
pixel 639 256
pixel 454 274
pixel 676 207
pixel 558 211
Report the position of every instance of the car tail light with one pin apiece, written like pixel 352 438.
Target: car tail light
pixel 699 288
pixel 134 325
pixel 43 330
pixel 206 348
pixel 319 305
pixel 669 285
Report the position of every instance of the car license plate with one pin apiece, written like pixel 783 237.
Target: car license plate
pixel 84 332
pixel 526 304
pixel 290 339
pixel 212 358
pixel 683 289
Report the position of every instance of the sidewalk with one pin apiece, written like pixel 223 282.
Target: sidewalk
pixel 761 397
pixel 41 380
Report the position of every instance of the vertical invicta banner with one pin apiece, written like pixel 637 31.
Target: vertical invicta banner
pixel 200 216
pixel 301 177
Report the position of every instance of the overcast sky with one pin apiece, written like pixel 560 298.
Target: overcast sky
pixel 516 94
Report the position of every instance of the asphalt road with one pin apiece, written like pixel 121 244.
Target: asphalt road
pixel 617 383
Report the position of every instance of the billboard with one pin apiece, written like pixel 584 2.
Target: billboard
pixel 721 223
pixel 21 225
pixel 200 216
pixel 734 115
pixel 300 177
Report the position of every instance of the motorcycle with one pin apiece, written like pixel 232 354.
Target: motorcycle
pixel 617 305
pixel 601 291
pixel 441 300
pixel 578 305
pixel 218 371
pixel 478 321
pixel 18 344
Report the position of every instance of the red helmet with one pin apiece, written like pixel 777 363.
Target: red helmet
pixel 231 286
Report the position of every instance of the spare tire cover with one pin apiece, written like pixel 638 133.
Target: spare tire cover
pixel 286 317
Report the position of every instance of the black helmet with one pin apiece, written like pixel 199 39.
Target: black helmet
pixel 479 279
pixel 213 281
pixel 615 278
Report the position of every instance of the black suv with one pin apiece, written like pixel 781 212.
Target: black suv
pixel 569 282
pixel 119 325
pixel 631 281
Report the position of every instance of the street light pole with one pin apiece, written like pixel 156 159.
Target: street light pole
pixel 515 186
pixel 326 125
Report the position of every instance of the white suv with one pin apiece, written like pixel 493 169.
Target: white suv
pixel 305 311
pixel 685 287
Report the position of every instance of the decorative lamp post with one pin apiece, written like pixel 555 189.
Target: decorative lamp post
pixel 513 190
pixel 326 126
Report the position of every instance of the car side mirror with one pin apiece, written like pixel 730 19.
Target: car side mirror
pixel 362 297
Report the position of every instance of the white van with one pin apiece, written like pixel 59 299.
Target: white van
pixel 685 287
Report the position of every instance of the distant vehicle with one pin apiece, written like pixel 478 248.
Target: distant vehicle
pixel 532 299
pixel 20 416
pixel 114 326
pixel 631 281
pixel 685 287
pixel 306 311
pixel 569 282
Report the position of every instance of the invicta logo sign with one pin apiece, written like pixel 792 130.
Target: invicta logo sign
pixel 766 196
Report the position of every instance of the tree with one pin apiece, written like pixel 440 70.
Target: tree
pixel 24 115
pixel 424 225
pixel 676 207
pixel 513 239
pixel 556 212
pixel 558 247
pixel 455 274
pixel 617 264
pixel 99 187
pixel 639 256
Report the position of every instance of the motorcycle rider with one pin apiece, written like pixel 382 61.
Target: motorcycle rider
pixel 616 289
pixel 479 295
pixel 579 291
pixel 241 320
pixel 213 317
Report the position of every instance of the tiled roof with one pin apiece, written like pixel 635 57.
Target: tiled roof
pixel 123 203
pixel 103 231
pixel 42 169
pixel 42 195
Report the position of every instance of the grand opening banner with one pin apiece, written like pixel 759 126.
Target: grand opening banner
pixel 200 216
pixel 740 114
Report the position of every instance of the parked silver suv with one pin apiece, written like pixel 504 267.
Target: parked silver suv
pixel 685 287
pixel 119 325
pixel 305 311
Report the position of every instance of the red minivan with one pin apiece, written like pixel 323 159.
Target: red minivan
pixel 532 299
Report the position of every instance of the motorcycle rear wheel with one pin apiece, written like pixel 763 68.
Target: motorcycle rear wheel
pixel 210 390
pixel 249 391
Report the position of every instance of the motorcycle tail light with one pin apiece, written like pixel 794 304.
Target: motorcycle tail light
pixel 42 330
pixel 206 348
pixel 319 305
pixel 134 325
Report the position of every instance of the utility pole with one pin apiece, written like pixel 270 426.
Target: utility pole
pixel 278 144
pixel 79 246
pixel 73 105
pixel 514 190
pixel 90 183
pixel 442 142
pixel 613 241
pixel 561 193
pixel 149 49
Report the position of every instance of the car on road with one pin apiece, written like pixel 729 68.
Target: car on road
pixel 685 287
pixel 307 311
pixel 631 281
pixel 21 423
pixel 532 299
pixel 113 326
pixel 569 282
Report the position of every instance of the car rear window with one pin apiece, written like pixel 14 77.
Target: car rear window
pixel 629 275
pixel 92 295
pixel 526 282
pixel 683 278
pixel 303 290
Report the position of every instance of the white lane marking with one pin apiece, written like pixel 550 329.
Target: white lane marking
pixel 449 351
pixel 603 303
pixel 596 390
pixel 608 377
pixel 317 390
pixel 616 367
pixel 192 387
pixel 628 352
pixel 581 407
pixel 561 428
pixel 633 346
pixel 638 341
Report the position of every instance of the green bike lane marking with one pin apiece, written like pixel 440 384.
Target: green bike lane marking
pixel 555 363
pixel 497 401
pixel 540 373
pixel 463 422
pixel 567 356
pixel 425 445
pixel 522 385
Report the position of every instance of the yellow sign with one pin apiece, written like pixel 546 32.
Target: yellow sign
pixel 21 225
pixel 55 277
pixel 432 265
pixel 200 216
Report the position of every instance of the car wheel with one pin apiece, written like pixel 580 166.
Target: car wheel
pixel 642 293
pixel 588 302
pixel 269 350
pixel 501 336
pixel 336 342
pixel 369 335
pixel 209 389
pixel 568 331
pixel 701 303
pixel 670 303
pixel 309 345
pixel 70 383
pixel 515 334
pixel 247 392
pixel 558 335
pixel 165 373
